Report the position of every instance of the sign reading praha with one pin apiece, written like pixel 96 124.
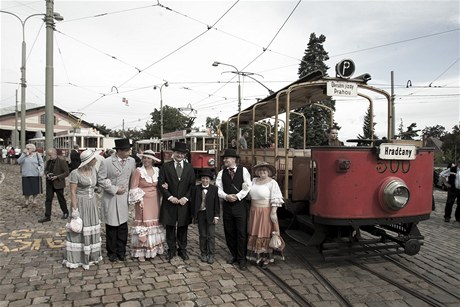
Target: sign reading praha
pixel 336 88
pixel 397 152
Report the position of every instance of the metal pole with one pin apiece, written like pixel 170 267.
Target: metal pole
pixel 49 76
pixel 16 123
pixel 392 116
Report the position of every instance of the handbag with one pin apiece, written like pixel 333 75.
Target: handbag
pixel 276 242
pixel 76 223
pixel 41 169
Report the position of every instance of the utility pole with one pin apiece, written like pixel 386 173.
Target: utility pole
pixel 15 134
pixel 392 115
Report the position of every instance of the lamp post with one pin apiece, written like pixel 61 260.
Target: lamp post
pixel 161 106
pixel 49 73
pixel 23 76
pixel 216 63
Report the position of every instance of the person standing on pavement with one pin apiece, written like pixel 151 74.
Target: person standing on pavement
pixel 114 177
pixel 244 140
pixel 147 234
pixel 75 157
pixel 56 170
pixel 31 167
pixel 175 213
pixel 452 182
pixel 206 211
pixel 84 248
pixel 234 183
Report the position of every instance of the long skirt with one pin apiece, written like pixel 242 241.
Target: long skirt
pixel 84 249
pixel 260 228
pixel 31 186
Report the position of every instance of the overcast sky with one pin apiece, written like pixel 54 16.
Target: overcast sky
pixel 135 45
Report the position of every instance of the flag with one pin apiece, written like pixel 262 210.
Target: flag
pixel 125 101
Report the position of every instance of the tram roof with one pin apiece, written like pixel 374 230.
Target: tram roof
pixel 301 96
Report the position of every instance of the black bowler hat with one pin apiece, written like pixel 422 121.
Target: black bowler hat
pixel 230 152
pixel 180 147
pixel 207 173
pixel 122 144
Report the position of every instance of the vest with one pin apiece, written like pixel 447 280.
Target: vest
pixel 237 181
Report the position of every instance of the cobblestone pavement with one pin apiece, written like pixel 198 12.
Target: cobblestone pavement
pixel 32 271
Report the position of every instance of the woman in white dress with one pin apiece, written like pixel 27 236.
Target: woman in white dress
pixel 84 248
pixel 266 198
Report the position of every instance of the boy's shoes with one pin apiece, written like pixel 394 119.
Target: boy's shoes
pixel 112 258
pixel 183 255
pixel 170 256
pixel 203 258
pixel 211 259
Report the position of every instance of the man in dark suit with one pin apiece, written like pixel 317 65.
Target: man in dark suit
pixel 175 208
pixel 75 157
pixel 206 210
pixel 234 183
pixel 56 170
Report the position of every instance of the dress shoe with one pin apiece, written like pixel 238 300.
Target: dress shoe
pixel 243 266
pixel 64 216
pixel 183 255
pixel 112 258
pixel 231 260
pixel 170 256
pixel 446 219
pixel 44 219
pixel 122 258
pixel 211 259
pixel 203 258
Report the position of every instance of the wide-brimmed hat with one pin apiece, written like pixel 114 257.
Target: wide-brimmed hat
pixel 230 152
pixel 149 154
pixel 87 155
pixel 122 144
pixel 260 165
pixel 207 173
pixel 180 147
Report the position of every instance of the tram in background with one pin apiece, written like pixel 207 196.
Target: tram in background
pixel 85 138
pixel 348 201
pixel 203 147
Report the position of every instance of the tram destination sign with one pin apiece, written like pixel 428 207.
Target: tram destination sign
pixel 397 152
pixel 338 88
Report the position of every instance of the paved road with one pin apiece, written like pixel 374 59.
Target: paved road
pixel 31 270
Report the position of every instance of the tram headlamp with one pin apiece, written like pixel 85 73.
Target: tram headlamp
pixel 394 194
pixel 211 162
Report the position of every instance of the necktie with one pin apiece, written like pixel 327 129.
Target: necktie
pixel 231 171
pixel 178 170
pixel 203 199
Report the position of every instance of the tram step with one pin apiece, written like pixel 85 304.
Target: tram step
pixel 305 220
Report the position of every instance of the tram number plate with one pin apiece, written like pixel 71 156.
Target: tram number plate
pixel 397 152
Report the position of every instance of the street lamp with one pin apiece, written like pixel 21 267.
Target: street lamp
pixel 216 63
pixel 161 106
pixel 58 17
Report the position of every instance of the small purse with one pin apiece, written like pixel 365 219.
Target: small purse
pixel 76 223
pixel 276 242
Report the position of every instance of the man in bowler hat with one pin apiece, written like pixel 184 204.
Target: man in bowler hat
pixel 206 211
pixel 175 207
pixel 234 183
pixel 114 177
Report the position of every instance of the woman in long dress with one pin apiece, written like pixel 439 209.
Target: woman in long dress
pixel 147 235
pixel 31 163
pixel 84 249
pixel 266 198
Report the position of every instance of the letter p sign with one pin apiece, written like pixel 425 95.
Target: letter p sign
pixel 345 68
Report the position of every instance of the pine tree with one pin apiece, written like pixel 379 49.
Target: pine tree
pixel 367 133
pixel 317 118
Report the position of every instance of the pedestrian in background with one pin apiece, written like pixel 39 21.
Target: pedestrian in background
pixel 75 157
pixel 56 170
pixel 32 166
pixel 175 211
pixel 266 198
pixel 84 248
pixel 147 234
pixel 452 182
pixel 206 211
pixel 244 140
pixel 234 183
pixel 332 137
pixel 114 176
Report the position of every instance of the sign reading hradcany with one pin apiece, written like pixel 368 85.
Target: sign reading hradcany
pixel 397 152
pixel 335 88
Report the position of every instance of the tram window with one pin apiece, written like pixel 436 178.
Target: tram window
pixel 91 142
pixel 78 141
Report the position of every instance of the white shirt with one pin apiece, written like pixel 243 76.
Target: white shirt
pixel 243 192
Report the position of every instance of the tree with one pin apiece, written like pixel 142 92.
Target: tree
pixel 317 117
pixel 213 123
pixel 434 132
pixel 410 133
pixel 102 129
pixel 451 144
pixel 367 133
pixel 173 120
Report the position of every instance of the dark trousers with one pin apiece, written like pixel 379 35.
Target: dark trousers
pixel 116 239
pixel 452 194
pixel 235 218
pixel 174 239
pixel 50 190
pixel 207 233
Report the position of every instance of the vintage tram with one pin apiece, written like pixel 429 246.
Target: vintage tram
pixel 349 201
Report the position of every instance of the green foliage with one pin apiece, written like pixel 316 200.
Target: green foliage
pixel 367 133
pixel 451 144
pixel 102 129
pixel 212 122
pixel 173 120
pixel 434 131
pixel 410 132
pixel 314 56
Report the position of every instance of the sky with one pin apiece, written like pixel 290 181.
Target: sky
pixel 105 51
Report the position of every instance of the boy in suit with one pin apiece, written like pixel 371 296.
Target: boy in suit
pixel 175 207
pixel 206 210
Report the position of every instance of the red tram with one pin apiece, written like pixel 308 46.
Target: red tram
pixel 349 201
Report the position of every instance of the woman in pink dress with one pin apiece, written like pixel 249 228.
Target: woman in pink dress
pixel 266 198
pixel 147 235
